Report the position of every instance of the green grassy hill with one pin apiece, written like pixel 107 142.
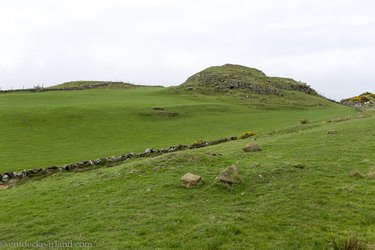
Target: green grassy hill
pixel 311 183
pixel 56 128
pixel 297 193
pixel 92 85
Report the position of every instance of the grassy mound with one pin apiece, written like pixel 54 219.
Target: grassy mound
pixel 230 76
pixel 76 85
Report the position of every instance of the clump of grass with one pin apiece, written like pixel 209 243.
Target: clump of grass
pixel 351 242
pixel 368 218
pixel 341 119
pixel 355 173
pixel 371 173
pixel 304 121
pixel 298 165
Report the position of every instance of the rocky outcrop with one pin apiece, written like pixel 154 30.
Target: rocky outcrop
pixel 365 101
pixel 231 77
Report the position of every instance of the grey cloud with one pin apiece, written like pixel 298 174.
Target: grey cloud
pixel 327 44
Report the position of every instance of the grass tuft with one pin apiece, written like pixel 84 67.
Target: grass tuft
pixel 371 173
pixel 351 242
pixel 356 173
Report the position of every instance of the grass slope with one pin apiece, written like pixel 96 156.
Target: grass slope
pixel 55 128
pixel 91 84
pixel 279 205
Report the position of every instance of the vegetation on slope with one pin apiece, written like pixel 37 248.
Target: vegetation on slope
pixel 308 188
pixel 91 85
pixel 230 76
pixel 297 193
pixel 57 128
pixel 364 101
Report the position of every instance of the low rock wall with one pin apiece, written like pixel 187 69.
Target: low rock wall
pixel 108 161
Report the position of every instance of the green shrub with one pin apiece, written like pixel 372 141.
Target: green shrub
pixel 304 121
pixel 247 135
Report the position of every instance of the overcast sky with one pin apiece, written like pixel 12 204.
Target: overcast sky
pixel 329 44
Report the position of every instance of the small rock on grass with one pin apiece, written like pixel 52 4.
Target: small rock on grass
pixel 230 176
pixel 251 147
pixel 190 180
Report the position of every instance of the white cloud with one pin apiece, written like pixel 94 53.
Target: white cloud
pixel 328 44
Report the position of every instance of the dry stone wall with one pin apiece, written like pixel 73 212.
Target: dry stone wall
pixel 108 161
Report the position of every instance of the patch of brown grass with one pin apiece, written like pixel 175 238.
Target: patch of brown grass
pixel 356 173
pixel 351 242
pixel 371 173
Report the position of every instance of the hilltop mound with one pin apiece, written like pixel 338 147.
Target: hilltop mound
pixel 75 85
pixel 230 76
pixel 364 101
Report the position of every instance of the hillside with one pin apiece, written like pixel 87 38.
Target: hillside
pixel 311 182
pixel 80 85
pixel 305 188
pixel 364 101
pixel 236 77
pixel 60 127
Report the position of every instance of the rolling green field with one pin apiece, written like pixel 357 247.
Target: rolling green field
pixel 305 188
pixel 60 127
pixel 296 193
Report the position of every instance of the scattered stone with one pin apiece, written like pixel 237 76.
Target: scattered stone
pixel 251 147
pixel 53 169
pixel 332 132
pixel 149 151
pixel 181 147
pixel 190 180
pixel 5 178
pixel 198 144
pixel 230 176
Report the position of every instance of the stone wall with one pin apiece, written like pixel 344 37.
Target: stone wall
pixel 108 161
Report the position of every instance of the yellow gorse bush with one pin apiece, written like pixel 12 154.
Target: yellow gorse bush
pixel 247 135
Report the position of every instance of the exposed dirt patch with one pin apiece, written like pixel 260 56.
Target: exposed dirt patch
pixel 3 187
